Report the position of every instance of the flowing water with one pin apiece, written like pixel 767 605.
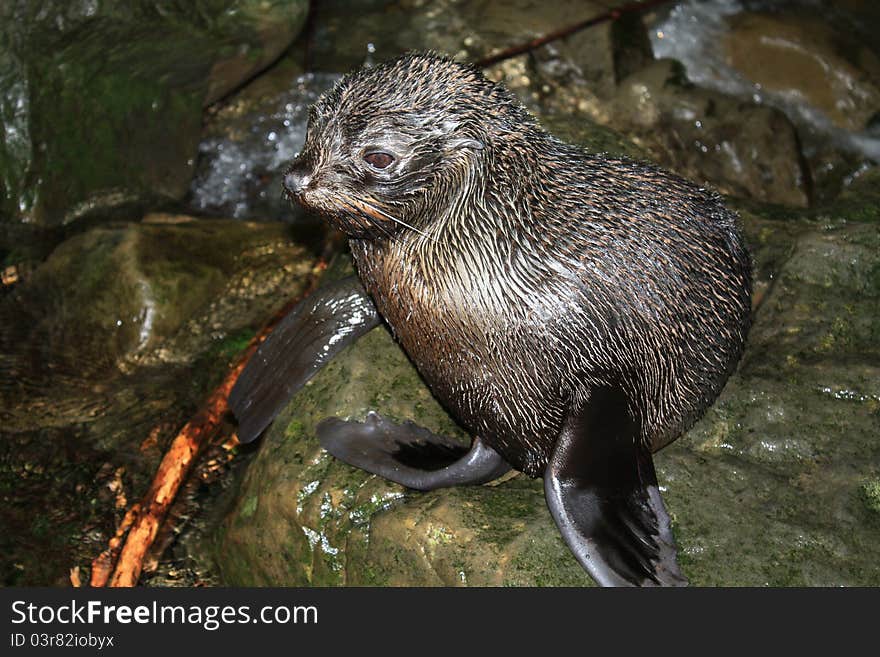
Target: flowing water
pixel 238 172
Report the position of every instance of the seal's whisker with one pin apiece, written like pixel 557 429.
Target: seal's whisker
pixel 381 212
pixel 352 209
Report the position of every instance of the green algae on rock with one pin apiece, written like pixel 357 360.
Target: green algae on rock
pixel 767 489
pixel 102 105
pixel 771 482
pixel 802 56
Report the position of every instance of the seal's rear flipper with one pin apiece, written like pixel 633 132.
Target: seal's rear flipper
pixel 317 329
pixel 408 454
pixel 602 491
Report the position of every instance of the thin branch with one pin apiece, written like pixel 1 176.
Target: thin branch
pixel 561 33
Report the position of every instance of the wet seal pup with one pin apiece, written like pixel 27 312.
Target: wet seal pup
pixel 574 312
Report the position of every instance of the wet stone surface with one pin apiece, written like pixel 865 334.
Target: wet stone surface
pixel 102 102
pixel 817 62
pixel 248 142
pixel 772 487
pixel 735 146
pixel 775 486
pixel 104 353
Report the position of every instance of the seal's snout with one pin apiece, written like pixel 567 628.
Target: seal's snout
pixel 296 179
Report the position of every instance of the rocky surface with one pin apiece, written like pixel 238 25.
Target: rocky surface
pixel 249 140
pixel 113 329
pixel 467 30
pixel 104 351
pixel 777 485
pixel 101 102
pixel 736 146
pixel 806 58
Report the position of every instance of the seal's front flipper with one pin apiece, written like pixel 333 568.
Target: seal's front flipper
pixel 317 329
pixel 602 491
pixel 408 454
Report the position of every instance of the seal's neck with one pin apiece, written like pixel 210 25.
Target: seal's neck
pixel 489 213
pixel 505 200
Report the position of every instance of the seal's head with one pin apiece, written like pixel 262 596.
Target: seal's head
pixel 390 144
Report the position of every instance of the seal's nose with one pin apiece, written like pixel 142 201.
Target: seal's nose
pixel 296 178
pixel 293 183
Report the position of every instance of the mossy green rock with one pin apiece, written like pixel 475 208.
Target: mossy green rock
pixel 101 102
pixel 773 486
pixel 776 485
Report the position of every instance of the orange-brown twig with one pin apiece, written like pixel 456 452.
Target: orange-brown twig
pixel 102 565
pixel 171 474
pixel 146 518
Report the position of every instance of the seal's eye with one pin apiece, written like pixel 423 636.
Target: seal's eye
pixel 379 160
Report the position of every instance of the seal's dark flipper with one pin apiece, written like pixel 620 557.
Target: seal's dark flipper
pixel 408 454
pixel 602 491
pixel 312 333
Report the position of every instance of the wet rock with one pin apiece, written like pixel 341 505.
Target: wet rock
pixel 251 136
pixel 469 31
pixel 580 129
pixel 112 297
pixel 571 72
pixel 783 459
pixel 105 351
pixel 256 33
pixel 774 486
pixel 101 102
pixel 733 145
pixel 571 76
pixel 818 65
pixel 632 46
pixel 804 57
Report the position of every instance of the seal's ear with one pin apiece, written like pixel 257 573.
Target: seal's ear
pixel 465 142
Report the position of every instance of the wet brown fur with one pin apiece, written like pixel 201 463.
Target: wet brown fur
pixel 518 271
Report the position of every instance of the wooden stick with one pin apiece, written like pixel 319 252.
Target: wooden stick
pixel 561 33
pixel 146 518
pixel 171 474
pixel 102 565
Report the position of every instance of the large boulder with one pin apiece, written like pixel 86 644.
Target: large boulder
pixel 818 65
pixel 732 144
pixel 776 485
pixel 304 518
pixel 101 103
pixel 806 58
